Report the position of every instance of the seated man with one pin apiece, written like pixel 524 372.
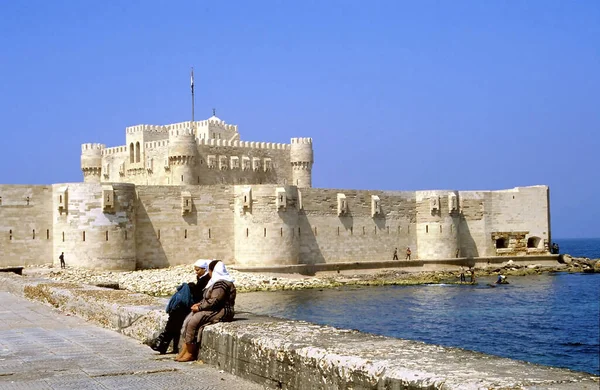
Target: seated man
pixel 179 306
pixel 216 306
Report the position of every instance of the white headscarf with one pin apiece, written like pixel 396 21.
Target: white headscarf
pixel 219 273
pixel 202 263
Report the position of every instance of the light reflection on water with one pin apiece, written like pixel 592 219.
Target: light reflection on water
pixel 547 319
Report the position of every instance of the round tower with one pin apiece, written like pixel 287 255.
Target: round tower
pixel 182 154
pixel 91 162
pixel 301 157
pixel 92 233
pixel 437 225
pixel 266 229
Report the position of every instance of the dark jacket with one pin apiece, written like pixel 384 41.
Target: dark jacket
pixel 187 294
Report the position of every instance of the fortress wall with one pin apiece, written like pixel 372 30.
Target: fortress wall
pixel 437 225
pixel 357 236
pixel 91 236
pixel 31 225
pixel 280 172
pixel 520 209
pixel 265 234
pixel 166 237
pixel 114 159
pixel 474 233
pixel 157 153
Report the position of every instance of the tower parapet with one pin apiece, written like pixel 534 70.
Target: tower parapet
pixel 182 154
pixel 91 162
pixel 301 158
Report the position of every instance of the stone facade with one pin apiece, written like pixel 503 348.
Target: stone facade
pixel 179 192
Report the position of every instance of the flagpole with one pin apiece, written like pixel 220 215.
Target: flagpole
pixel 192 85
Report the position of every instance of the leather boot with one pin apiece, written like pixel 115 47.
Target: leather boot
pixel 176 343
pixel 161 343
pixel 189 354
pixel 182 352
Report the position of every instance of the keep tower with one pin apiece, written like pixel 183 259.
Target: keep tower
pixel 301 158
pixel 91 162
pixel 183 151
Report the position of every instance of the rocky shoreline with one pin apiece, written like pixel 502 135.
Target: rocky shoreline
pixel 163 282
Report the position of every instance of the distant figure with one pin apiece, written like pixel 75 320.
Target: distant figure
pixel 501 279
pixel 554 249
pixel 408 252
pixel 472 271
pixel 462 275
pixel 62 260
pixel 395 254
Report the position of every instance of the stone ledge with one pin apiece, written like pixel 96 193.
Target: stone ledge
pixel 299 355
pixel 412 265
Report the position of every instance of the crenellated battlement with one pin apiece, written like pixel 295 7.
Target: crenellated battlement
pixel 243 144
pixel 91 147
pixel 114 150
pixel 217 123
pixel 305 140
pixel 181 131
pixel 146 129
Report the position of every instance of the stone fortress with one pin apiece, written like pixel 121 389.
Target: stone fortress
pixel 189 190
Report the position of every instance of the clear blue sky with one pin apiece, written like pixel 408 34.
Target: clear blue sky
pixel 467 95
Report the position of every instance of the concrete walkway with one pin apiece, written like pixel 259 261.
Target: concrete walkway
pixel 42 348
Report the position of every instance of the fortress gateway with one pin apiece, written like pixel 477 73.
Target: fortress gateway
pixel 179 192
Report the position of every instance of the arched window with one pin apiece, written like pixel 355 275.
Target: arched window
pixel 131 153
pixel 533 242
pixel 501 243
pixel 137 152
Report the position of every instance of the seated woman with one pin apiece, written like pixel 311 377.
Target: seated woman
pixel 179 307
pixel 217 306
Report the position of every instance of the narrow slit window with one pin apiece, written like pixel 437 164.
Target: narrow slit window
pixel 107 235
pixel 246 232
pixel 185 233
pixel 338 230
pixel 440 228
pixel 47 234
pixel 281 232
pixel 34 234
pixel 209 235
pixel 83 236
pixel 426 228
pixel 264 232
pixel 10 235
pixel 63 236
pixel 315 230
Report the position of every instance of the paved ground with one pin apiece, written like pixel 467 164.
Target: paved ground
pixel 42 348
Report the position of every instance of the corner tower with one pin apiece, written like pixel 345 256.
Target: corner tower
pixel 91 162
pixel 182 154
pixel 301 158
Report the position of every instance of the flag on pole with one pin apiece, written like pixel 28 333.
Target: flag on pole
pixel 192 80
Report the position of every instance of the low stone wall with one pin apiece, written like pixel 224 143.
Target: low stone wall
pixel 298 355
pixel 408 265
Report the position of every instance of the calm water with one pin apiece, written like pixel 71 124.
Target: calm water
pixel 580 247
pixel 548 319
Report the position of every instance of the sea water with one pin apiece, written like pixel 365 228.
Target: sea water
pixel 550 319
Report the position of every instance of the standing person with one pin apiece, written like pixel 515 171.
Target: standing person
pixel 217 306
pixel 472 271
pixel 408 253
pixel 462 275
pixel 62 260
pixel 395 254
pixel 179 307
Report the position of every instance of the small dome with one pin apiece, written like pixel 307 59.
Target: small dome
pixel 215 118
